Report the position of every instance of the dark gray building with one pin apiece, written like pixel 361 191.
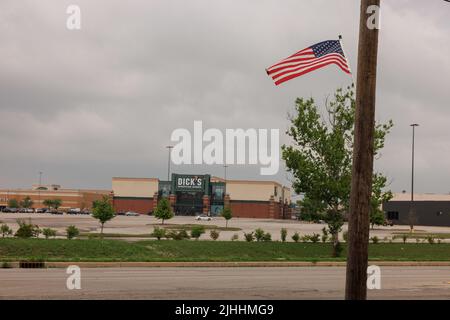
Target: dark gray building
pixel 425 213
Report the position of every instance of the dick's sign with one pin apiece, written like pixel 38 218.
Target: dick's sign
pixel 189 182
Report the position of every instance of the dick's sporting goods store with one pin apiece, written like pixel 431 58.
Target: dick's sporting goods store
pixel 195 194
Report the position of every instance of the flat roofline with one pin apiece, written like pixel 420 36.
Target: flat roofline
pixel 133 179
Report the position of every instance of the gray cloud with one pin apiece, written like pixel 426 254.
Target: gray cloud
pixel 84 106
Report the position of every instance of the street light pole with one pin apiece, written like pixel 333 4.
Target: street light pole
pixel 411 209
pixel 39 188
pixel 168 163
pixel 225 189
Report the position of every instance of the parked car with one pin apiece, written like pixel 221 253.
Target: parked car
pixel 389 223
pixel 121 213
pixel 41 210
pixel 132 214
pixel 10 210
pixel 74 211
pixel 85 212
pixel 203 217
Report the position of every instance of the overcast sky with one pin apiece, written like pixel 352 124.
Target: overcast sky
pixel 84 106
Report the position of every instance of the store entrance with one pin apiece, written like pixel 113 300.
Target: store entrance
pixel 189 203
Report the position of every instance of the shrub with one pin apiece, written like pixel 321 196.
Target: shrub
pixel 158 233
pixel 345 236
pixel 197 231
pixel 235 237
pixel 305 238
pixel 430 240
pixel 337 250
pixel 47 232
pixel 283 234
pixel 404 238
pixel 259 234
pixel 324 235
pixel 5 230
pixel 214 234
pixel 180 235
pixel 267 237
pixel 315 238
pixel 27 230
pixel 296 237
pixel 249 237
pixel 72 232
pixel 374 240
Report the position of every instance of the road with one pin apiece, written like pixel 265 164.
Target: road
pixel 219 283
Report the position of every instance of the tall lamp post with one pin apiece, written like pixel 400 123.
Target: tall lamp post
pixel 39 188
pixel 411 209
pixel 168 163
pixel 225 166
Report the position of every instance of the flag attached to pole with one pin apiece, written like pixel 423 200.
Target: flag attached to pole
pixel 312 58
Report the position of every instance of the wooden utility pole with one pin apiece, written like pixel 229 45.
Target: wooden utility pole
pixel 363 152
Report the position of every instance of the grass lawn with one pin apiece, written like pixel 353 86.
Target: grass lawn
pixel 170 250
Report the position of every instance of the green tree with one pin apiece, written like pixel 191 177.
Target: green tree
pixel 47 232
pixel 72 232
pixel 321 157
pixel 27 230
pixel 5 230
pixel 283 234
pixel 52 203
pixel 227 214
pixel 13 203
pixel 103 211
pixel 163 210
pixel 159 233
pixel 379 197
pixel 197 231
pixel 26 203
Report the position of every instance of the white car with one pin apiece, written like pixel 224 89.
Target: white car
pixel 203 217
pixel 132 214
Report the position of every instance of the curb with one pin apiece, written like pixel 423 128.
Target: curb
pixel 273 264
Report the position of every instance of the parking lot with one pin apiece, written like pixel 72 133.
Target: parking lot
pixel 135 225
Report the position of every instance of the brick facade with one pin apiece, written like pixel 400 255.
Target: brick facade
pixel 139 205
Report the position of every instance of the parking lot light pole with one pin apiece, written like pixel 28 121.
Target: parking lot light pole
pixel 39 188
pixel 411 209
pixel 168 164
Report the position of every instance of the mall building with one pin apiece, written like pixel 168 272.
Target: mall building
pixel 195 194
pixel 70 198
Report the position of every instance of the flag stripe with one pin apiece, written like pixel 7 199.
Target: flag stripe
pixel 306 65
pixel 307 60
pixel 293 66
pixel 295 75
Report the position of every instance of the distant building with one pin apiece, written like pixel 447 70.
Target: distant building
pixel 195 194
pixel 428 209
pixel 71 198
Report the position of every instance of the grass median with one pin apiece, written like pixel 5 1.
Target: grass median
pixel 96 250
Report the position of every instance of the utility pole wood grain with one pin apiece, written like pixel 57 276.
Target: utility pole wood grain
pixel 363 152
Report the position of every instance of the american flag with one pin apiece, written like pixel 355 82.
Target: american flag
pixel 308 60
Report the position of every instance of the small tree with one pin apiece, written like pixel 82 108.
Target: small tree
pixel 197 231
pixel 283 234
pixel 52 203
pixel 249 237
pixel 227 215
pixel 27 230
pixel 159 233
pixel 296 237
pixel 102 211
pixel 163 210
pixel 214 234
pixel 26 203
pixel 13 203
pixel 5 230
pixel 47 232
pixel 324 235
pixel 72 232
pixel 259 234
